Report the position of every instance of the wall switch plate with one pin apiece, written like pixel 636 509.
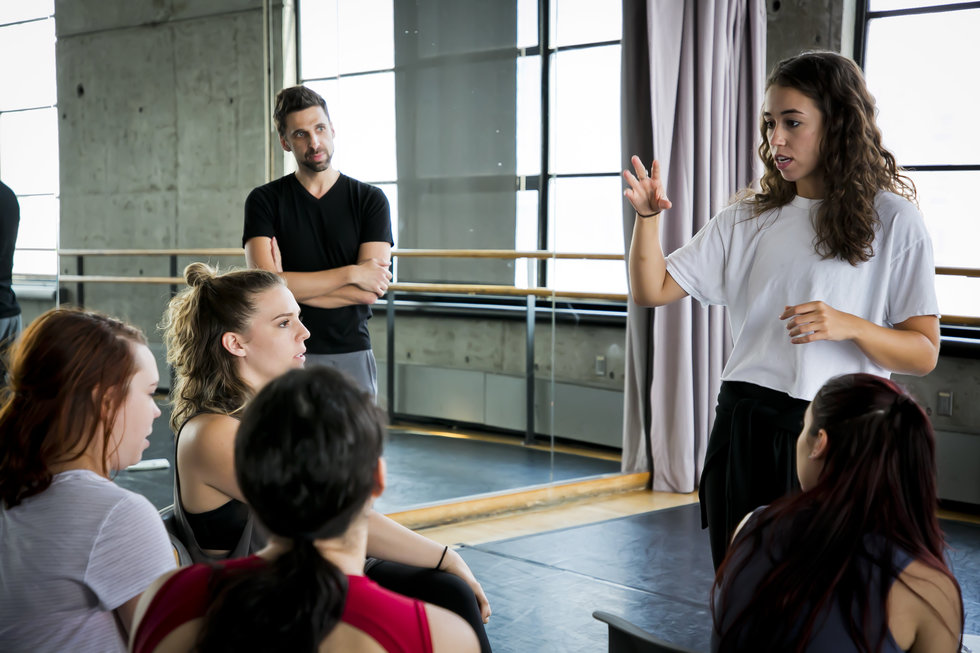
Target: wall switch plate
pixel 944 407
pixel 600 365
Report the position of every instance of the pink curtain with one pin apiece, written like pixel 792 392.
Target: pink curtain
pixel 693 79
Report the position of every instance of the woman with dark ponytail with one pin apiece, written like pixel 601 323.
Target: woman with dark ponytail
pixel 308 462
pixel 855 562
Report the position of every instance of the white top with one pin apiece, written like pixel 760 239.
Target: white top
pixel 69 556
pixel 758 266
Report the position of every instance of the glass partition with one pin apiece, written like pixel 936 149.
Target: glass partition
pixel 483 139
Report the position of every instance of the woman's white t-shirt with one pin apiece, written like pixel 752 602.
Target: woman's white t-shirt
pixel 69 556
pixel 757 266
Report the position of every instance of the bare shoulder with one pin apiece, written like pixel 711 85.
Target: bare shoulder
pixel 450 633
pixel 925 610
pixel 205 436
pixel 345 638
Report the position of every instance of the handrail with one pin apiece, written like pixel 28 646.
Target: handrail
pixel 458 288
pixel 405 253
pixel 210 251
pixel 958 272
pixel 421 253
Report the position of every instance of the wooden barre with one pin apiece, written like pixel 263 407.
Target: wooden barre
pixel 407 253
pixel 453 288
pixel 504 254
pixel 219 251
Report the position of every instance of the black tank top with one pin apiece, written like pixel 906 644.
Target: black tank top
pixel 219 529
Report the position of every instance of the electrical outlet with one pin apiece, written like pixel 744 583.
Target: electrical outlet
pixel 944 404
pixel 600 365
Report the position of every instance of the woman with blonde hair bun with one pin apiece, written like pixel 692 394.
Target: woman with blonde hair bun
pixel 228 335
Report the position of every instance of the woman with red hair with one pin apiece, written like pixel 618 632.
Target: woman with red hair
pixel 76 550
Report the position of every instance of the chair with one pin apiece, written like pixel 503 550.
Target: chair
pixel 625 637
pixel 181 554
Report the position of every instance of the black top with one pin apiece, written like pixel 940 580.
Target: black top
pixel 322 234
pixel 221 528
pixel 9 222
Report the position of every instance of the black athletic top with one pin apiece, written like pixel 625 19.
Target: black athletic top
pixel 9 222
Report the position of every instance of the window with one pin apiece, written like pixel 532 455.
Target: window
pixel 29 131
pixel 918 58
pixel 452 109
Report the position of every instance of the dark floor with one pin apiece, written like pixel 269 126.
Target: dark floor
pixel 422 469
pixel 653 569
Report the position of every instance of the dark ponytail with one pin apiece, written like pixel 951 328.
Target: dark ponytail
pixel 306 457
pixel 290 604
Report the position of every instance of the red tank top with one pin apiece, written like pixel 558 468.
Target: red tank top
pixel 396 622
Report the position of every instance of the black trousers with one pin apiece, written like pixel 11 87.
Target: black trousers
pixel 437 587
pixel 751 457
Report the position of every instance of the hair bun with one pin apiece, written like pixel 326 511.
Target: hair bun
pixel 196 274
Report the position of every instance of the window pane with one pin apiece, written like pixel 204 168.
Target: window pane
pixel 889 5
pixel 366 41
pixel 527 23
pixel 365 140
pixel 12 11
pixel 38 222
pixel 29 151
pixel 586 21
pixel 925 98
pixel 27 74
pixel 587 219
pixel 585 115
pixel 526 238
pixel 958 295
pixel 27 262
pixel 528 115
pixel 391 192
pixel 948 204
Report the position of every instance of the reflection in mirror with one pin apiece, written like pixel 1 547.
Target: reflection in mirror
pixel 447 116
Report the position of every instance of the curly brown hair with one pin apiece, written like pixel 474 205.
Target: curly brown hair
pixel 206 378
pixel 854 163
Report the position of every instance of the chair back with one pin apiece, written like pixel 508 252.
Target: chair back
pixel 181 554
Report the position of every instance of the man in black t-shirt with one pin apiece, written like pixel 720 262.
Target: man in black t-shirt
pixel 9 308
pixel 328 235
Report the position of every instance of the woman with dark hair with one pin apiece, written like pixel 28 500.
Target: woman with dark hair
pixel 828 269
pixel 228 336
pixel 76 550
pixel 308 462
pixel 855 562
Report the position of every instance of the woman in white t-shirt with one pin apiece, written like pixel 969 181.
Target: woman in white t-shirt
pixel 827 270
pixel 76 550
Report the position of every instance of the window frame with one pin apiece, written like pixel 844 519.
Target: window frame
pixel 588 311
pixel 31 285
pixel 958 337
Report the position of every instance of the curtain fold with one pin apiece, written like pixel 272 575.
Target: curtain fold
pixel 697 112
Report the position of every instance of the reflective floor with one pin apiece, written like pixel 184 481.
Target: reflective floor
pixel 423 468
pixel 653 569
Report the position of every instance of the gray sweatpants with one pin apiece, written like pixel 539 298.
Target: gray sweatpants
pixel 359 365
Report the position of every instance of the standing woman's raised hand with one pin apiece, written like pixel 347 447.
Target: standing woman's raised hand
pixel 646 192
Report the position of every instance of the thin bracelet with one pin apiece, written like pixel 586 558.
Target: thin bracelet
pixel 442 557
pixel 650 215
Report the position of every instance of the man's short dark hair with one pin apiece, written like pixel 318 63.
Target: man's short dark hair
pixel 295 98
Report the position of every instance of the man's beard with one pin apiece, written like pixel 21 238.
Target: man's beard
pixel 317 166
